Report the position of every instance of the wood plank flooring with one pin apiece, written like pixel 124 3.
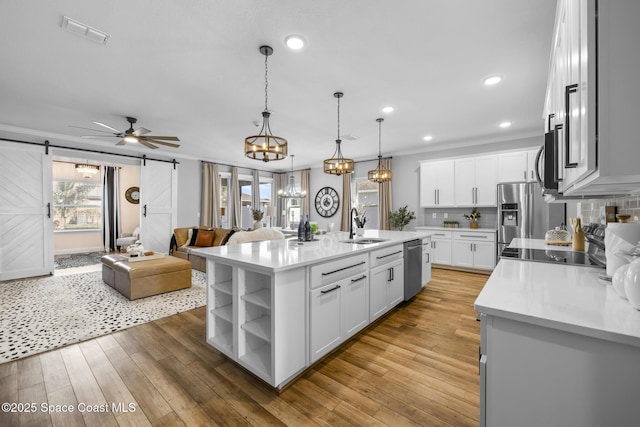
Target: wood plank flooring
pixel 418 366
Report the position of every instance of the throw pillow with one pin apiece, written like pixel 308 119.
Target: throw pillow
pixel 182 236
pixel 227 237
pixel 193 236
pixel 204 238
pixel 222 235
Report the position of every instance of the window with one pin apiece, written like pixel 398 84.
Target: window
pixel 77 201
pixel 225 179
pixel 366 195
pixel 246 191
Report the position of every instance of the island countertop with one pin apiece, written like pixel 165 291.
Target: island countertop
pixel 568 298
pixel 280 255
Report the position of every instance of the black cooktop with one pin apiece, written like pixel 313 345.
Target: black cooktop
pixel 550 256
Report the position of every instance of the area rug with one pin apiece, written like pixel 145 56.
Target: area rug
pixel 40 314
pixel 76 260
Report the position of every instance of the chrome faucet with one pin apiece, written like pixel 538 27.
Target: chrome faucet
pixel 351 233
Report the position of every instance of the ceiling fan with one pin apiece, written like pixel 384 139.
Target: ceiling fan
pixel 132 136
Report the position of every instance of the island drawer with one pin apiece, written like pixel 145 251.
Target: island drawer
pixel 474 235
pixel 334 270
pixel 386 255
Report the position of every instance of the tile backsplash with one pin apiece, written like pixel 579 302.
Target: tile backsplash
pixel 593 210
pixel 488 218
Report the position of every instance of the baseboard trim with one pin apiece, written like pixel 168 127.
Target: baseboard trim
pixel 77 251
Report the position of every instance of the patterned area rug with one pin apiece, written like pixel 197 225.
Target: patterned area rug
pixel 43 313
pixel 76 260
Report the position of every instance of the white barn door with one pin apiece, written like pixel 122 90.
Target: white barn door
pixel 26 227
pixel 159 204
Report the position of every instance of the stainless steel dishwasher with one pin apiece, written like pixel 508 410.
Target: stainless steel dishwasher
pixel 412 268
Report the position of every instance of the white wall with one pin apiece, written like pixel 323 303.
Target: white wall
pixel 189 192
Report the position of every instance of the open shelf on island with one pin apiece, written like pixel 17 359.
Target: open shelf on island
pixel 225 312
pixel 259 359
pixel 261 298
pixel 223 340
pixel 260 327
pixel 225 287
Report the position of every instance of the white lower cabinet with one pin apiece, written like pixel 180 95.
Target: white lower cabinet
pixel 355 304
pixel 474 250
pixel 426 261
pixel 387 288
pixel 441 247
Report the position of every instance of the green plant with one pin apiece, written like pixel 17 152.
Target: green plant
pixel 314 228
pixel 257 214
pixel 403 216
pixel 473 216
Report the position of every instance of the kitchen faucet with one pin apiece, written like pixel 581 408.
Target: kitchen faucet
pixel 351 233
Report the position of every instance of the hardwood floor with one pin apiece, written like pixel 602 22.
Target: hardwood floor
pixel 418 366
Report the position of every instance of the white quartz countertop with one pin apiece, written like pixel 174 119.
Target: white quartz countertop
pixel 538 244
pixel 562 297
pixel 465 229
pixel 278 255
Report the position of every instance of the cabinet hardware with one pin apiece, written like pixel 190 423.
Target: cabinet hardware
pixel 556 146
pixel 473 237
pixel 342 269
pixel 524 174
pixel 568 90
pixel 428 258
pixel 471 247
pixel 394 253
pixel 435 196
pixel 358 279
pixel 438 193
pixel 144 211
pixel 336 287
pixel 49 210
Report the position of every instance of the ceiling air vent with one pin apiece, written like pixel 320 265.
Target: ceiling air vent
pixel 84 30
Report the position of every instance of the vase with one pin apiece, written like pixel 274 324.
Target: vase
pixel 257 224
pixel 473 224
pixel 360 231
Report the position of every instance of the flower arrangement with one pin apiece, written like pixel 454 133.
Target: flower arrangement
pixel 403 216
pixel 257 214
pixel 473 216
pixel 361 218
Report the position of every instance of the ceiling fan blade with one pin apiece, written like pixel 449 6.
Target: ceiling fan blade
pixel 147 144
pixel 100 136
pixel 107 126
pixel 168 138
pixel 121 142
pixel 93 130
pixel 141 131
pixel 170 144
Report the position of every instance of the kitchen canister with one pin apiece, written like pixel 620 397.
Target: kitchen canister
pixel 619 237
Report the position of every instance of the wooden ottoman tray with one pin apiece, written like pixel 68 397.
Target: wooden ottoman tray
pixel 151 277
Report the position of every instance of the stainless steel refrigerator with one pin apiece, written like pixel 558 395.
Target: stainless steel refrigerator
pixel 523 213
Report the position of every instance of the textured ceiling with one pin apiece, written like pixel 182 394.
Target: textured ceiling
pixel 193 69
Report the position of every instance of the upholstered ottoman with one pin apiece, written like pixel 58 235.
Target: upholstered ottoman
pixel 108 274
pixel 151 277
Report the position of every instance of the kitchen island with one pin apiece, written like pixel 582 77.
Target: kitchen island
pixel 558 347
pixel 276 307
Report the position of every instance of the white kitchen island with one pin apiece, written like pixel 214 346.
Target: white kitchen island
pixel 559 347
pixel 276 307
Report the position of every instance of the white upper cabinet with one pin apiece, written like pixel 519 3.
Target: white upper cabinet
pixel 512 167
pixel 592 93
pixel 475 181
pixel 436 184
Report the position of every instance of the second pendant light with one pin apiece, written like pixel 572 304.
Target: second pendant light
pixel 338 164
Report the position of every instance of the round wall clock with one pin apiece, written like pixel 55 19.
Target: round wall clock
pixel 133 195
pixel 327 202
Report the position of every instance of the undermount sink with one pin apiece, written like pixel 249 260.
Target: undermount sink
pixel 364 241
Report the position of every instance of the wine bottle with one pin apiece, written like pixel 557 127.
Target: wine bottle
pixel 301 230
pixel 307 230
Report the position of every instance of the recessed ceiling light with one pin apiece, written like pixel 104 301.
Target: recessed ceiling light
pixel 505 124
pixel 493 80
pixel 294 42
pixel 428 138
pixel 388 109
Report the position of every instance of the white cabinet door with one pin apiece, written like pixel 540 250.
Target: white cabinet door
pixel 446 190
pixel 463 253
pixel 395 289
pixel 531 165
pixel 355 304
pixel 159 202
pixel 426 261
pixel 484 255
pixel 325 319
pixel 428 185
pixel 512 167
pixel 441 251
pixel 26 211
pixel 465 182
pixel 486 176
pixel 378 305
pixel 436 184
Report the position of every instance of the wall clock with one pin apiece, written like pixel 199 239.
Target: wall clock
pixel 327 202
pixel 133 195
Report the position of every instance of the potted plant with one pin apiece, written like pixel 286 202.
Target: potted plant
pixel 473 218
pixel 257 215
pixel 403 216
pixel 360 220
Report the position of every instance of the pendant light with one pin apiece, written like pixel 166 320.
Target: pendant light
pixel 380 174
pixel 87 170
pixel 338 164
pixel 290 192
pixel 265 146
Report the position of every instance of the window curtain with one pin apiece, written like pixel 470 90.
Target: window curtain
pixel 346 202
pixel 235 207
pixel 280 180
pixel 210 206
pixel 304 188
pixel 110 207
pixel 385 206
pixel 255 190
